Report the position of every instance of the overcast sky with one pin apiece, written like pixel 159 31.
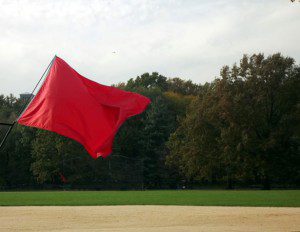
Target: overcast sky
pixel 112 41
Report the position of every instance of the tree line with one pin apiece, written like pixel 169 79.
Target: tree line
pixel 240 130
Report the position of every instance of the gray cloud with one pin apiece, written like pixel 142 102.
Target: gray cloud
pixel 188 39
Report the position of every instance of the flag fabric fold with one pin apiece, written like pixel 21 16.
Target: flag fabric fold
pixel 76 107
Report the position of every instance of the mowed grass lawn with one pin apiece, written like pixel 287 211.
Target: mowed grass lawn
pixel 288 198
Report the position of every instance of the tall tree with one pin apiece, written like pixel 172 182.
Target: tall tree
pixel 247 121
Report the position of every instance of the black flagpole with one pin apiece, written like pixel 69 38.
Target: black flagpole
pixel 11 125
pixel 7 133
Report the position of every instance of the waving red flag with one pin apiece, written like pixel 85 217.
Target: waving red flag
pixel 76 107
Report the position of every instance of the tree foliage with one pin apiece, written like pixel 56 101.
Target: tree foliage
pixel 240 129
pixel 245 127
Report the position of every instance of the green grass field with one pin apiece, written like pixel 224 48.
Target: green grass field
pixel 289 198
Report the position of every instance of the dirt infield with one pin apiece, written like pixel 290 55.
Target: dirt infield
pixel 148 218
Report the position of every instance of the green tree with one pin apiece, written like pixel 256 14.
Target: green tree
pixel 244 126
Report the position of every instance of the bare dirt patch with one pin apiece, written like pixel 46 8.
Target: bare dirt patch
pixel 148 218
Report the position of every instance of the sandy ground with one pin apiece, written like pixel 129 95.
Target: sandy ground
pixel 149 218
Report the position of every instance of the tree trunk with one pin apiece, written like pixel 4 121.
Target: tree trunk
pixel 229 182
pixel 266 183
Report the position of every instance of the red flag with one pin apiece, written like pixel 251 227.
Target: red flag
pixel 76 107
